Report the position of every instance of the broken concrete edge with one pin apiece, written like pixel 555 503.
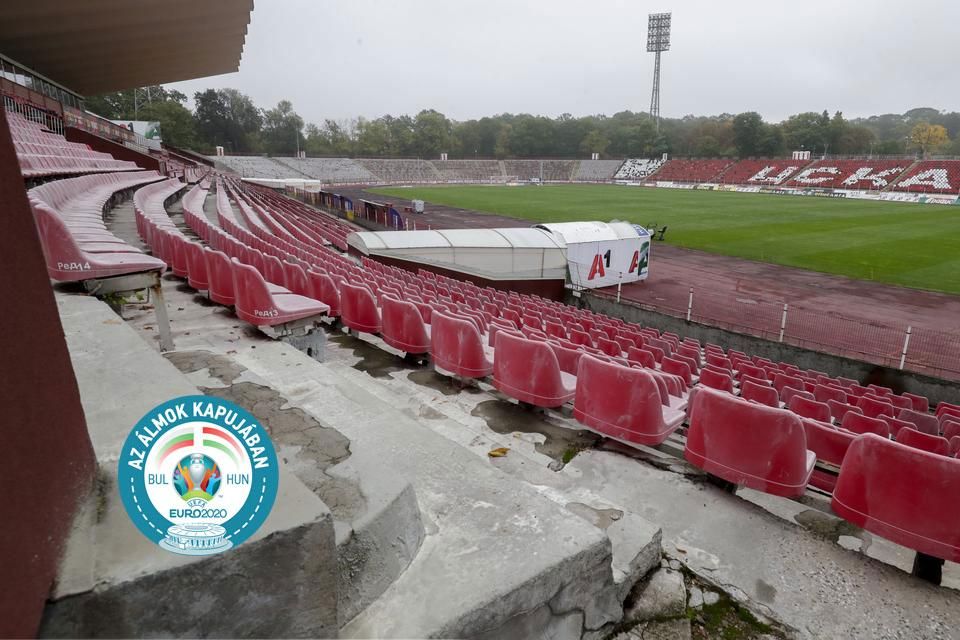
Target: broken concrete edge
pixel 284 584
pixel 763 614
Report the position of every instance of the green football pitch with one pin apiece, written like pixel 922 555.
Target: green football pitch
pixel 913 245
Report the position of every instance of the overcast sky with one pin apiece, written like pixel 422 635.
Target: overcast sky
pixel 470 58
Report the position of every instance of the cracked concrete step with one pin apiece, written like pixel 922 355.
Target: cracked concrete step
pixel 376 516
pixel 112 578
pixel 496 550
pixel 635 541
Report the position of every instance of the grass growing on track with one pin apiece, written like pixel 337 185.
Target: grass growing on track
pixel 912 245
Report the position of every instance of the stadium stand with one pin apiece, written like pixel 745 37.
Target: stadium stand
pixel 764 171
pixel 931 176
pixel 75 240
pixel 693 170
pixel 637 169
pixel 596 170
pixel 333 170
pixel 42 153
pixel 546 170
pixel 467 170
pixel 258 167
pixel 400 170
pixel 850 174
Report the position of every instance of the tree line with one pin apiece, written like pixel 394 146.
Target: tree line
pixel 229 118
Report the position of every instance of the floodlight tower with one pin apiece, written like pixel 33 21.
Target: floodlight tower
pixel 658 41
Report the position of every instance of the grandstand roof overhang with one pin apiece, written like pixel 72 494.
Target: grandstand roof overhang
pixel 96 46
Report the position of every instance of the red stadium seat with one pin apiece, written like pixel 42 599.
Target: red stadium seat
pixel 950 428
pixel 759 393
pixel 925 422
pixel 622 403
pixel 260 306
pixel 358 309
pixel 830 445
pixel 220 275
pixel 324 289
pixel 196 267
pixel 787 394
pixel 678 368
pixel 456 347
pixel 783 380
pixel 528 371
pixel 812 409
pixel 859 423
pixel 822 393
pixel 920 403
pixel 748 444
pixel 568 359
pixel 642 357
pixel 716 380
pixel 840 409
pixel 873 408
pixel 917 513
pixel 609 347
pixel 924 441
pixel 402 326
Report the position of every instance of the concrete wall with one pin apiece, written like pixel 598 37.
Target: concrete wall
pixel 935 389
pixel 48 464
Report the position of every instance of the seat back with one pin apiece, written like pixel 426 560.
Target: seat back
pixel 822 393
pixel 220 276
pixel 295 279
pixel 925 441
pixel 528 370
pixel 859 423
pixel 951 428
pixel 402 326
pixel 787 394
pixel 840 409
pixel 678 368
pixel 642 357
pixel 716 380
pixel 254 304
pixel 924 422
pixel 196 266
pixel 608 346
pixel 872 493
pixel 875 408
pixel 920 403
pixel 65 260
pixel 323 288
pixel 620 402
pixel 567 358
pixel 760 393
pixel 748 444
pixel 358 309
pixel 830 445
pixel 457 347
pixel 782 380
pixel 809 408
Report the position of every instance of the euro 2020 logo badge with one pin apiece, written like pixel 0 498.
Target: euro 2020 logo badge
pixel 198 475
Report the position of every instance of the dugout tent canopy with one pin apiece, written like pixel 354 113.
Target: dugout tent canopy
pixel 522 253
pixel 601 254
pixel 96 46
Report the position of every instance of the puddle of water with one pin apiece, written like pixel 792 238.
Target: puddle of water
pixel 445 385
pixel 601 518
pixel 825 525
pixel 559 443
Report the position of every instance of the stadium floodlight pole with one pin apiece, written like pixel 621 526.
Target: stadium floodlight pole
pixel 658 41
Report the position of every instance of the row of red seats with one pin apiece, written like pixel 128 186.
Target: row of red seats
pixel 239 276
pixel 692 170
pixel 76 242
pixel 850 174
pixel 43 153
pixel 931 176
pixel 765 171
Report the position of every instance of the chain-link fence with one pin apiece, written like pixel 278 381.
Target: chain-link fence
pixel 911 347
